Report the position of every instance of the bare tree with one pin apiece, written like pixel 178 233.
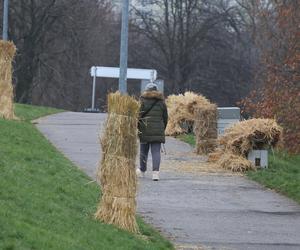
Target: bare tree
pixel 57 42
pixel 196 45
pixel 207 46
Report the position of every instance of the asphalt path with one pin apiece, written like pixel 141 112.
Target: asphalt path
pixel 195 207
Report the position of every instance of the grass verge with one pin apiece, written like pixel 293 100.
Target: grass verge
pixel 282 175
pixel 48 203
pixel 30 112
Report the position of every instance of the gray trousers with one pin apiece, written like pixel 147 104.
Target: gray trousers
pixel 155 152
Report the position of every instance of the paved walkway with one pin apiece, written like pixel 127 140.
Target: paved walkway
pixel 194 209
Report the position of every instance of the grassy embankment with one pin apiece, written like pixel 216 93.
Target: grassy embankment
pixel 48 203
pixel 282 175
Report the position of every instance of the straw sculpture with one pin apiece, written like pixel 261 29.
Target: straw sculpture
pixel 117 171
pixel 242 137
pixel 7 53
pixel 181 109
pixel 205 128
pixel 193 112
pixel 251 134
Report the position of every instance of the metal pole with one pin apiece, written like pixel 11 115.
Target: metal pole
pixel 94 89
pixel 5 21
pixel 124 48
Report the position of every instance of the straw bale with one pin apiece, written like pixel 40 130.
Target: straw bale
pixel 7 53
pixel 116 172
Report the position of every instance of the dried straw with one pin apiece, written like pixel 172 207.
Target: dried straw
pixel 193 112
pixel 242 137
pixel 215 155
pixel 251 134
pixel 7 53
pixel 235 163
pixel 117 172
pixel 205 128
pixel 182 110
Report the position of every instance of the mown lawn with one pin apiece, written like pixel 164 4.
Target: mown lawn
pixel 282 175
pixel 46 202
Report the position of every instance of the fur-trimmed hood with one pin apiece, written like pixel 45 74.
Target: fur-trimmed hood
pixel 153 95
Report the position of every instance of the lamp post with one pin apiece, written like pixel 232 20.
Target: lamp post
pixel 5 21
pixel 124 48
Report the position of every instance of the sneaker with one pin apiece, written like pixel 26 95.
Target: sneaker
pixel 155 176
pixel 140 173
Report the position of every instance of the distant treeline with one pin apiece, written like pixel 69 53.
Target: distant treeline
pixel 205 46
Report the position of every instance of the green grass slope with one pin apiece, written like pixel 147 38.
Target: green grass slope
pixel 46 202
pixel 30 112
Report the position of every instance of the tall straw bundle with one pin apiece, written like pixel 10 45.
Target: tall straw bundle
pixel 242 137
pixel 7 53
pixel 205 128
pixel 117 172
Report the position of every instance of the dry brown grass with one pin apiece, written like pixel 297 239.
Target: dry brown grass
pixel 116 172
pixel 242 137
pixel 7 53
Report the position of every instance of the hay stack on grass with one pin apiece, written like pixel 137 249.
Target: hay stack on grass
pixel 117 172
pixel 7 53
pixel 242 137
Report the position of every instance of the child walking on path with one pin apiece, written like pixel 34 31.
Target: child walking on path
pixel 152 124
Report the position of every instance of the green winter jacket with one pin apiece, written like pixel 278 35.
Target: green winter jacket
pixel 152 126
